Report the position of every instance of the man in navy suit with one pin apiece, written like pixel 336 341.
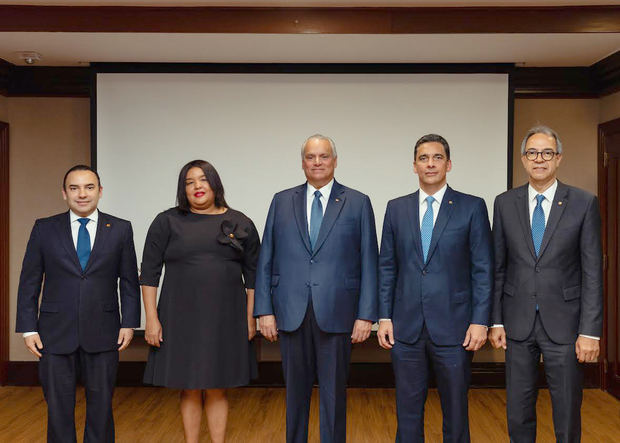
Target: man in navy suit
pixel 83 256
pixel 435 282
pixel 317 286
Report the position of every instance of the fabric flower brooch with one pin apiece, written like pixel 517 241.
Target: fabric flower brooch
pixel 231 234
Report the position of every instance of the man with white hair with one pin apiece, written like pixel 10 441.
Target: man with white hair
pixel 316 287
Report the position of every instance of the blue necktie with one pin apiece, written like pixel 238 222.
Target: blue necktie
pixel 316 217
pixel 538 223
pixel 83 243
pixel 427 226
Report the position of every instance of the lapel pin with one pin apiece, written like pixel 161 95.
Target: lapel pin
pixel 559 203
pixel 107 225
pixel 449 202
pixel 337 199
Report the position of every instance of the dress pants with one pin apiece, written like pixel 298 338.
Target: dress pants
pixel 59 373
pixel 564 376
pixel 452 367
pixel 308 353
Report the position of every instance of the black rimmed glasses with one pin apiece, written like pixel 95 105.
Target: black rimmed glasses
pixel 546 154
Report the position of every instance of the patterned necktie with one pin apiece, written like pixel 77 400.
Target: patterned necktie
pixel 316 217
pixel 83 243
pixel 538 223
pixel 427 226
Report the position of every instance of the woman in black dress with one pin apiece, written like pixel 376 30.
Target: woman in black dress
pixel 200 331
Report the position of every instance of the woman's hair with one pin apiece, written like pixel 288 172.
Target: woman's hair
pixel 213 178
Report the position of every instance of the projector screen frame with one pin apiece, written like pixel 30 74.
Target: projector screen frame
pixel 306 68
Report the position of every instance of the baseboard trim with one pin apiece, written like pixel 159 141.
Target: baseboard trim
pixel 362 375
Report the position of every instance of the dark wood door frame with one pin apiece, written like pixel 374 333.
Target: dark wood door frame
pixel 609 233
pixel 4 251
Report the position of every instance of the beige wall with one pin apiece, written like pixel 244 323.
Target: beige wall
pixel 610 107
pixel 46 137
pixel 576 122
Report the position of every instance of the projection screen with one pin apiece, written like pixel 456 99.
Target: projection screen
pixel 251 127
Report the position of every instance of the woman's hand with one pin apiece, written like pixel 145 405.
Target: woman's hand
pixel 153 332
pixel 251 327
pixel 250 313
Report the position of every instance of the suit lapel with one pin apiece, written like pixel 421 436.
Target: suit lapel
pixel 66 238
pixel 413 210
pixel 334 206
pixel 299 208
pixel 560 201
pixel 523 212
pixel 104 228
pixel 445 211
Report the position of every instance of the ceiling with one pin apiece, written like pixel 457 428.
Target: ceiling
pixel 78 49
pixel 527 49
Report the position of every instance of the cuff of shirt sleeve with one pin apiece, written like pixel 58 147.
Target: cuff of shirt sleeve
pixel 151 283
pixel 384 319
pixel 28 334
pixel 589 336
pixel 497 326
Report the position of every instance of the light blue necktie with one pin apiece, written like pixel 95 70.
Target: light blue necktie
pixel 538 223
pixel 316 217
pixel 83 243
pixel 427 226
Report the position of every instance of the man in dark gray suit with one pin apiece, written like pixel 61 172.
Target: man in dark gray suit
pixel 548 289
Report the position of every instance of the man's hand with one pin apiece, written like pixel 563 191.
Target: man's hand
pixel 34 345
pixel 587 349
pixel 251 327
pixel 124 338
pixel 152 332
pixel 497 337
pixel 268 327
pixel 385 334
pixel 361 331
pixel 475 337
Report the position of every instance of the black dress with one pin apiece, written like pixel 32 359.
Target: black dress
pixel 202 305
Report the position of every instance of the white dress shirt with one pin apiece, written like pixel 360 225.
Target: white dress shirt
pixel 438 196
pixel 91 227
pixel 549 194
pixel 325 192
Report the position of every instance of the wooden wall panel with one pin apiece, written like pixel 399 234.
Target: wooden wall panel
pixel 4 251
pixel 321 20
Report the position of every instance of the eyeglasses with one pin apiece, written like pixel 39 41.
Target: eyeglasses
pixel 546 154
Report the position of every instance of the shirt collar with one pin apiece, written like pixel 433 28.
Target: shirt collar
pixel 93 217
pixel 325 190
pixel 549 193
pixel 438 196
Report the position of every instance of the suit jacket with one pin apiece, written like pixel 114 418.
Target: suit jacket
pixel 565 280
pixel 78 308
pixel 454 287
pixel 340 274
